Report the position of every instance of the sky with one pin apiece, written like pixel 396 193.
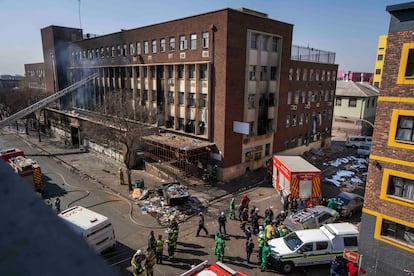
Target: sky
pixel 348 28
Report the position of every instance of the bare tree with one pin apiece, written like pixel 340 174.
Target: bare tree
pixel 18 99
pixel 113 125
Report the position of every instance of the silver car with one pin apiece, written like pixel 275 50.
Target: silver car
pixel 351 203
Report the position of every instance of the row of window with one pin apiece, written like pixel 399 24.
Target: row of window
pixel 303 140
pixel 264 42
pixel 143 47
pixel 40 73
pixel 269 101
pixel 189 126
pixel 264 74
pixel 352 102
pixel 191 99
pixel 311 75
pixel 312 96
pixel 294 120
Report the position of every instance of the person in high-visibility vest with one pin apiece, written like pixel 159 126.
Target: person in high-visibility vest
pixel 172 242
pixel 159 248
pixel 136 263
pixel 150 261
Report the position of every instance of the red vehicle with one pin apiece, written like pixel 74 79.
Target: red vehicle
pixel 11 153
pixel 218 269
pixel 29 169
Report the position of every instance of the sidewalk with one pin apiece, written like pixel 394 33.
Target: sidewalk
pixel 104 171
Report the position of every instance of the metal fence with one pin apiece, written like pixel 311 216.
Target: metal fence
pixel 312 55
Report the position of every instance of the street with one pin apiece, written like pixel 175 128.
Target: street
pixel 132 228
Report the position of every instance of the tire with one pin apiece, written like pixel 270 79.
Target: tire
pixel 287 267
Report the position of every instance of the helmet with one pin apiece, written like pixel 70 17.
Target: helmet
pixel 244 195
pixel 201 213
pixel 260 227
pixel 139 252
pixel 222 213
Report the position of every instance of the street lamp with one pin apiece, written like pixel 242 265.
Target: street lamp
pixel 359 123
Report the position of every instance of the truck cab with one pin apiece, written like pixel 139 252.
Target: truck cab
pixel 313 246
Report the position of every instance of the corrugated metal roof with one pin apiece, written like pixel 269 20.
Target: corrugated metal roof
pixel 355 89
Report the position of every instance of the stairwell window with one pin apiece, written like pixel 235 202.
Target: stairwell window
pixel 146 47
pixel 162 45
pixel 397 232
pixel 193 41
pixel 253 41
pixel 183 42
pixel 204 40
pixel 154 46
pixel 172 43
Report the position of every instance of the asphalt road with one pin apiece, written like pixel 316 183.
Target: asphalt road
pixel 132 234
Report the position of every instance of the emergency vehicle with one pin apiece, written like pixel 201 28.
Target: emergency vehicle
pixel 217 269
pixel 296 178
pixel 10 153
pixel 96 229
pixel 313 246
pixel 29 169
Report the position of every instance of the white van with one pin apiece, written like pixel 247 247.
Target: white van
pixel 95 228
pixel 357 141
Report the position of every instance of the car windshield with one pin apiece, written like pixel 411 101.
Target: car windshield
pixel 292 241
pixel 343 199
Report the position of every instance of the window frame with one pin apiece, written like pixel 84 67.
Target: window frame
pixel 405 52
pixel 385 185
pixel 392 141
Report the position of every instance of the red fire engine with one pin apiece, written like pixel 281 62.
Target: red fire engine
pixel 29 169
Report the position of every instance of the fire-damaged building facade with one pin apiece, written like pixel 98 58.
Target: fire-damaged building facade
pixel 229 80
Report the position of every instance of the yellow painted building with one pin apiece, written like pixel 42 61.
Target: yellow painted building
pixel 379 61
pixel 387 222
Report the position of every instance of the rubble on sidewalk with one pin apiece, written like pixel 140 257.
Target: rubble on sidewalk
pixel 168 202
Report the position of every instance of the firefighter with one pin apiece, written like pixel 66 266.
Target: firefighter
pixel 172 242
pixel 260 244
pixel 150 261
pixel 159 248
pixel 136 262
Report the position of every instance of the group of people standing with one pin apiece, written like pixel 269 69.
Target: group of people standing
pixel 145 261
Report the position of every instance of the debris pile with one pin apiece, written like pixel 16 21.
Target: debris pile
pixel 170 202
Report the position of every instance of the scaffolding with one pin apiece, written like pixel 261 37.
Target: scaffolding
pixel 190 156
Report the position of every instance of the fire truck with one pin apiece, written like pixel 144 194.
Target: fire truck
pixel 29 169
pixel 216 269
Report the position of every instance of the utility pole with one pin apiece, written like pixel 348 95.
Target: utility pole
pixel 79 11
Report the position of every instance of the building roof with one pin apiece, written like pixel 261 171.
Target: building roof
pixel 355 89
pixel 177 141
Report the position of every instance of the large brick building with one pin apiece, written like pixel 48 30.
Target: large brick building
pixel 387 229
pixel 229 77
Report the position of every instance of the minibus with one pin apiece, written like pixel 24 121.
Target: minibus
pixel 96 229
pixel 357 141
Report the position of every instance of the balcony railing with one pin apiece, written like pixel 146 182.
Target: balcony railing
pixel 301 53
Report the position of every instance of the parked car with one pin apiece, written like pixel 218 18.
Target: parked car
pixel 351 203
pixel 364 150
pixel 310 218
